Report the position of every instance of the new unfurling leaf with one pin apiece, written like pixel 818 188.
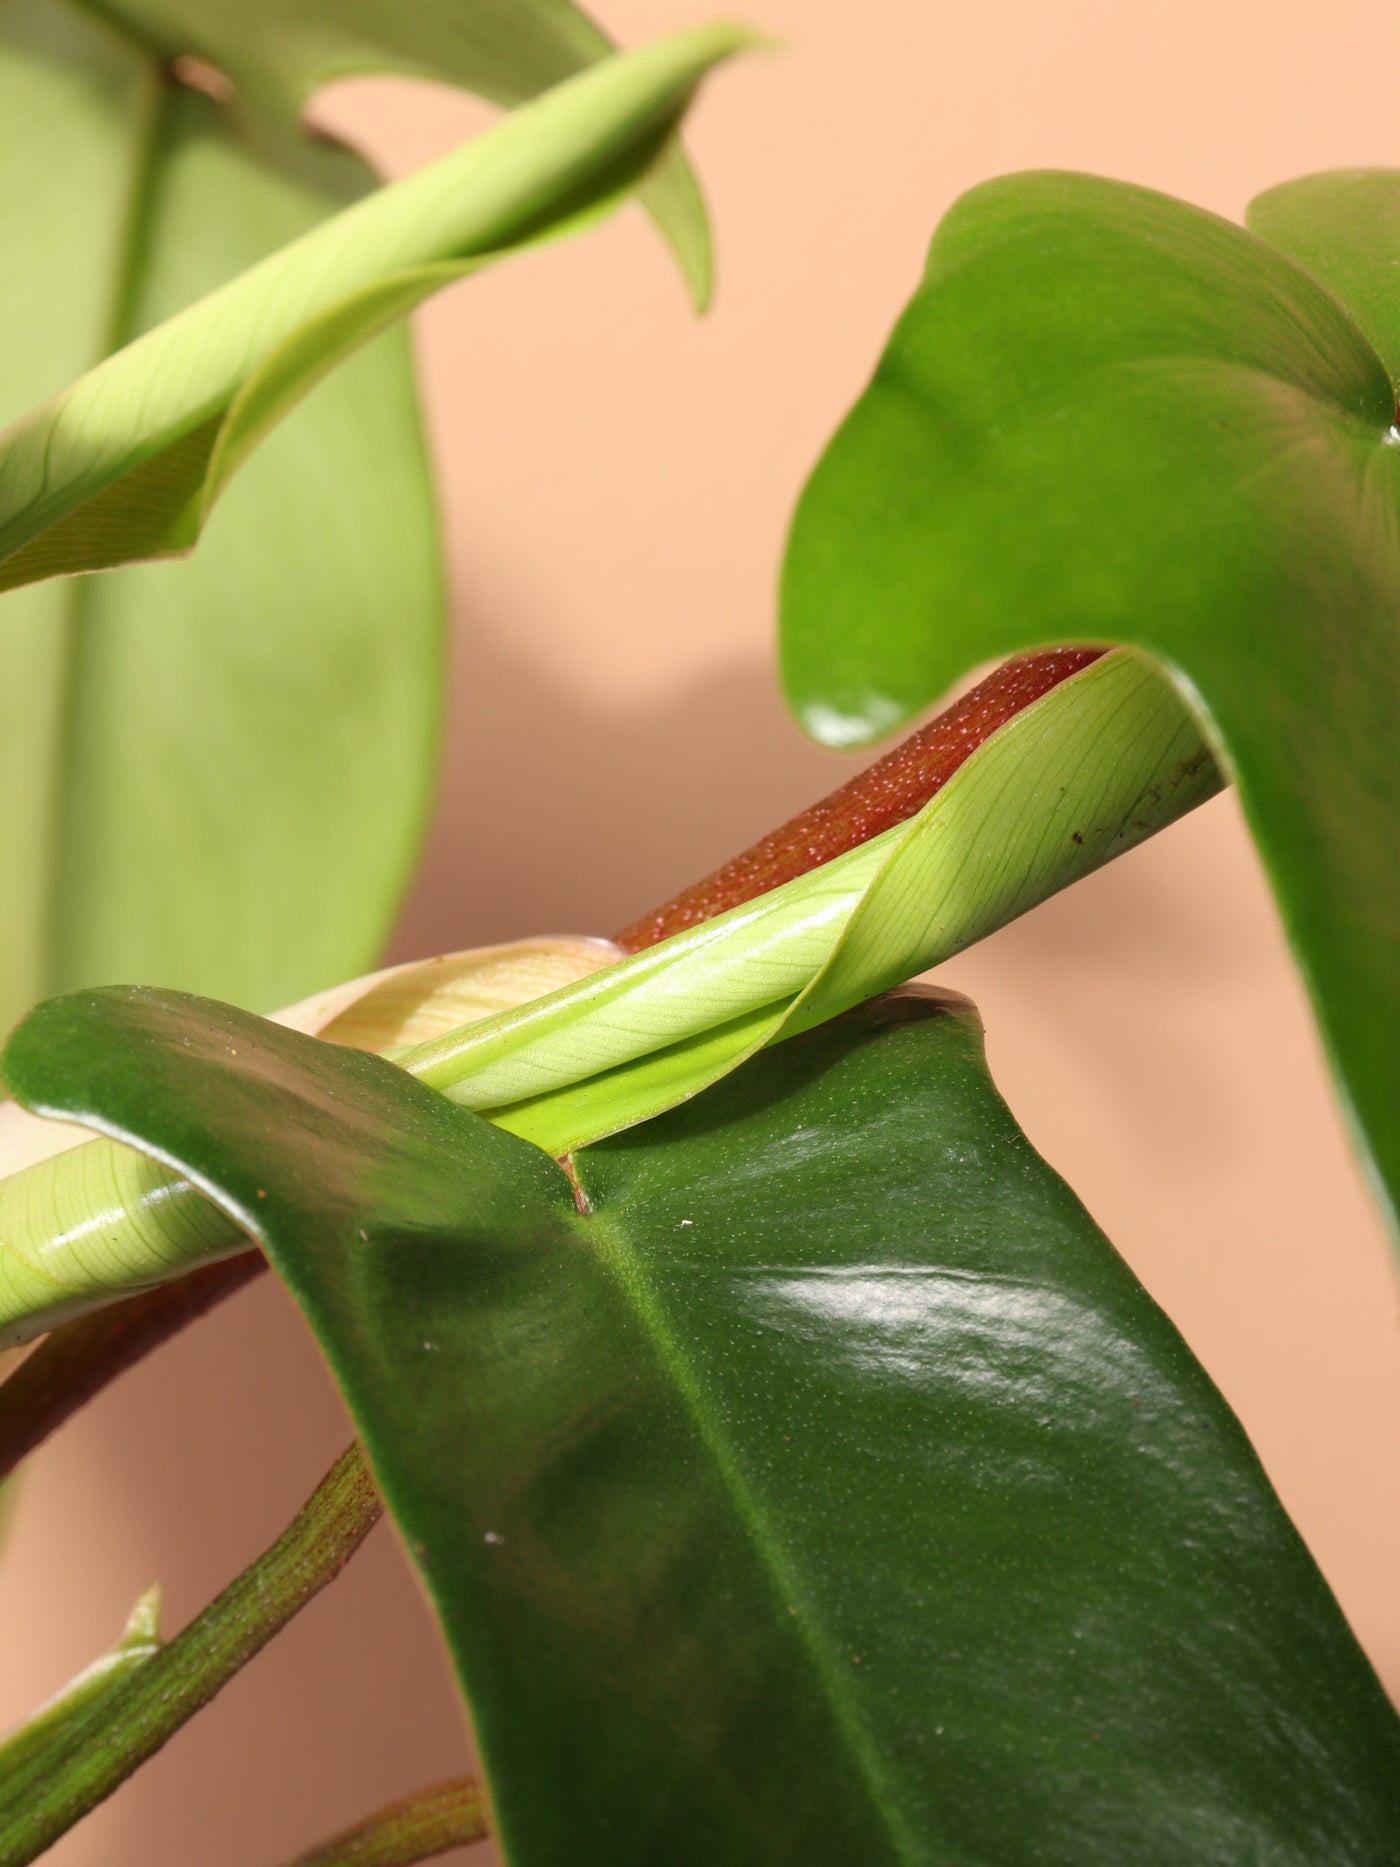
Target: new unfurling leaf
pixel 1095 765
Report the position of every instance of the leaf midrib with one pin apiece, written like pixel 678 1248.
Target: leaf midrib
pixel 608 1237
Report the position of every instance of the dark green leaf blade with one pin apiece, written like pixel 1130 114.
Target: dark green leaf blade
pixel 829 1490
pixel 1110 417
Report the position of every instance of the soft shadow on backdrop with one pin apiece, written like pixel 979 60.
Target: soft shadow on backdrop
pixel 615 483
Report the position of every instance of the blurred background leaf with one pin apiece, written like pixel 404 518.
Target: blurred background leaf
pixel 165 782
pixel 276 52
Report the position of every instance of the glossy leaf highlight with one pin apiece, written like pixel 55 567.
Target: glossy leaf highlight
pixel 1110 417
pixel 828 1488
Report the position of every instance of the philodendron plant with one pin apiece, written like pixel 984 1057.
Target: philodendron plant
pixel 796 1472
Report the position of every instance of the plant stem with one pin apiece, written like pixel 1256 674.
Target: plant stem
pixel 44 1734
pixel 887 792
pixel 415 1828
pixel 97 1752
pixel 78 1360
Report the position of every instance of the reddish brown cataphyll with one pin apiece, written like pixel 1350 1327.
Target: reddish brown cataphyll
pixel 886 793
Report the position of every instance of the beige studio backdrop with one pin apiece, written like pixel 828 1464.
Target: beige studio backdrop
pixel 616 480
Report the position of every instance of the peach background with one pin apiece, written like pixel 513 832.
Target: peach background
pixel 616 480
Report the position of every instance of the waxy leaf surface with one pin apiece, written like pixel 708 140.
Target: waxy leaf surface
pixel 1343 227
pixel 827 1489
pixel 1107 416
pixel 1081 775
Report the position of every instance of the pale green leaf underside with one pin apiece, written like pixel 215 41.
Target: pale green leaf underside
pixel 1089 770
pixel 182 743
pixel 1079 777
pixel 126 462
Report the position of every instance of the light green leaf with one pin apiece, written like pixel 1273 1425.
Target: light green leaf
pixel 181 744
pixel 1107 416
pixel 260 723
pixel 127 462
pixel 818 1485
pixel 83 1221
pixel 1100 762
pixel 175 742
pixel 276 52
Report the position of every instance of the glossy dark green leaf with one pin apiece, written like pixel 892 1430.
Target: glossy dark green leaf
pixel 181 744
pixel 276 52
pixel 1110 417
pixel 828 1490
